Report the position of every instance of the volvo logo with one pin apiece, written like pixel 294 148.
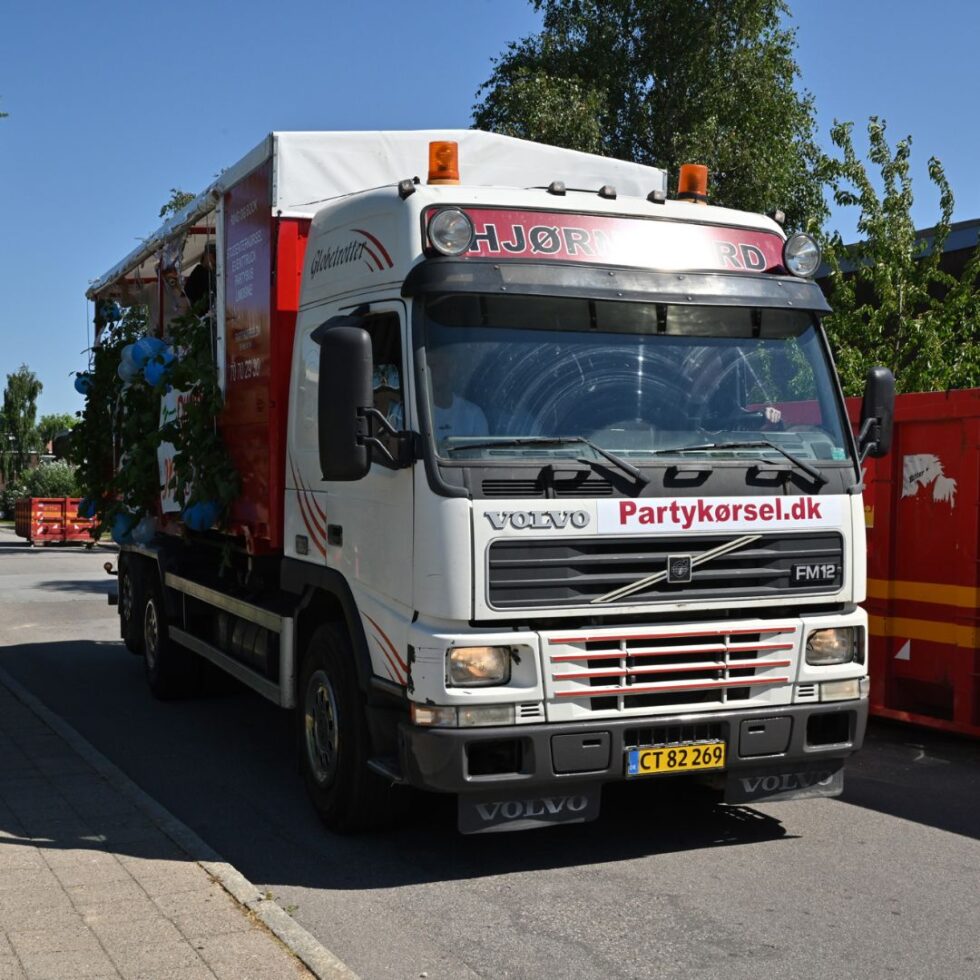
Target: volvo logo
pixel 538 520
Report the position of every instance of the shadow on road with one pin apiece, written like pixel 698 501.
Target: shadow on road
pixel 225 765
pixel 918 774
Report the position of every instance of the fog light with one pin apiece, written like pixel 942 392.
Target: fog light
pixel 478 666
pixel 842 645
pixel 433 715
pixel 451 231
pixel 486 714
pixel 841 690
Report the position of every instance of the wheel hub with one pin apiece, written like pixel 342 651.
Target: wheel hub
pixel 320 726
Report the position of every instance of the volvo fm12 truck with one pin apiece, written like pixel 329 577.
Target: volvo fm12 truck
pixel 546 479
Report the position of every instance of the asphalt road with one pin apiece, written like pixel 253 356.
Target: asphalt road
pixel 883 882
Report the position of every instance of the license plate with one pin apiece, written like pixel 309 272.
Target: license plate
pixel 677 758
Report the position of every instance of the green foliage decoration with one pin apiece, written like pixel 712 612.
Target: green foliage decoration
pixel 116 440
pixel 893 303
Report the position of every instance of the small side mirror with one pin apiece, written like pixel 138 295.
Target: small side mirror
pixel 877 413
pixel 343 398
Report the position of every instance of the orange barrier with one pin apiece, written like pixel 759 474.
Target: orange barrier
pixel 51 520
pixel 923 522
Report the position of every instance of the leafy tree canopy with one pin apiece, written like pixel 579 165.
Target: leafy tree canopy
pixel 18 419
pixel 51 425
pixel 664 82
pixel 893 304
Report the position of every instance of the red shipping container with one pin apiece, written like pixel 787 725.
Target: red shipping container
pixel 923 520
pixel 51 520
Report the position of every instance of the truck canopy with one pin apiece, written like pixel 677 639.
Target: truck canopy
pixel 312 168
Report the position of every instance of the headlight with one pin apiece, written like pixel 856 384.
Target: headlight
pixel 450 231
pixel 478 666
pixel 842 645
pixel 801 255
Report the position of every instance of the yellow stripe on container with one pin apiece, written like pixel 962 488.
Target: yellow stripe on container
pixel 929 630
pixel 965 596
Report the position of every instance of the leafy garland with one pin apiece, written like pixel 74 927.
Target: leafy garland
pixel 116 440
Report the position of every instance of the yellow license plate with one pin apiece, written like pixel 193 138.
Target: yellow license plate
pixel 677 758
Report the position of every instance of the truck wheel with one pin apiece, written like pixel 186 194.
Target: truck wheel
pixel 130 605
pixel 168 666
pixel 333 737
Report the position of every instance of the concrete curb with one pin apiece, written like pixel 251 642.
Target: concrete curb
pixel 316 957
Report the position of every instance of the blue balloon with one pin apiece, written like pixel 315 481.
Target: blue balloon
pixel 122 527
pixel 158 366
pixel 87 507
pixel 83 383
pixel 202 516
pixel 145 530
pixel 145 348
pixel 127 370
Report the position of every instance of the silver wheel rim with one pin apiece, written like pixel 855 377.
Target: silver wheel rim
pixel 320 728
pixel 151 634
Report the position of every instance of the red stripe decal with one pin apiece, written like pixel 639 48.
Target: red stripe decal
pixel 390 664
pixel 667 651
pixel 299 481
pixel 391 646
pixel 381 247
pixel 377 261
pixel 308 520
pixel 674 669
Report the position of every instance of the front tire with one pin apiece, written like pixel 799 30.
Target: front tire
pixel 334 741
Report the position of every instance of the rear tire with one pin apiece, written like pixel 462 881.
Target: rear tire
pixel 334 741
pixel 169 668
pixel 131 604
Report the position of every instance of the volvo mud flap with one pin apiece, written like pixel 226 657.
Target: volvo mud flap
pixel 508 810
pixel 796 782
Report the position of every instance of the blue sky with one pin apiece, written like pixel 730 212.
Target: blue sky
pixel 112 104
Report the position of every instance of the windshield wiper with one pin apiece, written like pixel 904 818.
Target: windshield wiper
pixel 621 464
pixel 815 474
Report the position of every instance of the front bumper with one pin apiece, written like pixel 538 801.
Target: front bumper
pixel 789 740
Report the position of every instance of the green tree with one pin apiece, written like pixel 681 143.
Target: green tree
pixel 178 201
pixel 19 418
pixel 893 304
pixel 52 425
pixel 664 82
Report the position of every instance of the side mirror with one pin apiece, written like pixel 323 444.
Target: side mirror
pixel 877 413
pixel 343 399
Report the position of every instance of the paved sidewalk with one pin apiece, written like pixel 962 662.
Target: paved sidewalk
pixel 92 887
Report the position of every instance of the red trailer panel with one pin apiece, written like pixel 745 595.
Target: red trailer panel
pixel 51 520
pixel 263 267
pixel 923 520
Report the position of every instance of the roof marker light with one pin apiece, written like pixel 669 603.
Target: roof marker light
pixel 557 187
pixel 692 183
pixel 443 162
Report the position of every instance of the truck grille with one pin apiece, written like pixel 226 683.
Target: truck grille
pixel 574 571
pixel 682 670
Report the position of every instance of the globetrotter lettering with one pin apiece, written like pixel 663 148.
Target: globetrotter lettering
pixel 352 251
pixel 539 520
pixel 548 806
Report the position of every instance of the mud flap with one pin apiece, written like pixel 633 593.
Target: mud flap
pixel 494 812
pixel 800 782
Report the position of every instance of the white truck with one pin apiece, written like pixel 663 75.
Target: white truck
pixel 547 480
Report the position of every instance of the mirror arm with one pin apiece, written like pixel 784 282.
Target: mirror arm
pixel 374 413
pixel 377 444
pixel 864 447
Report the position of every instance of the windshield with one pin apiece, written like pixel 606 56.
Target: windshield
pixel 515 376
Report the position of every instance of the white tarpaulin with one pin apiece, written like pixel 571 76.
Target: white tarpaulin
pixel 311 168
